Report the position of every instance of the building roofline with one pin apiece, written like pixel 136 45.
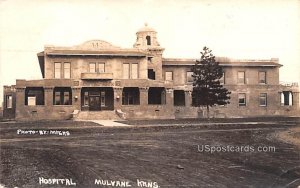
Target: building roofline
pixel 224 61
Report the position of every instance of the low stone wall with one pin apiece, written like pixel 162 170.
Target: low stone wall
pixel 149 112
pixel 33 113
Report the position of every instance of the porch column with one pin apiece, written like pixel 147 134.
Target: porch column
pixel 48 95
pixel 144 95
pixel 188 98
pixel 20 98
pixel 76 97
pixel 117 97
pixel 169 96
pixel 20 102
pixel 296 99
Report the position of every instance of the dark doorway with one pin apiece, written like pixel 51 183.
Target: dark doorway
pixel 96 99
pixel 94 102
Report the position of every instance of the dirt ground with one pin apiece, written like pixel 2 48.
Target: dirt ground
pixel 165 153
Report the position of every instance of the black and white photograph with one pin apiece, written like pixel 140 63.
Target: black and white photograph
pixel 150 93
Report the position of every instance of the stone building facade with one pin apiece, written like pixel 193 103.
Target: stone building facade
pixel 99 80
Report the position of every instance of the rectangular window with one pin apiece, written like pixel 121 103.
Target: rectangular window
pixel 102 98
pixel 125 71
pixel 242 99
pixel 92 67
pixel 262 77
pixel 67 100
pixel 101 67
pixel 57 98
pixel 62 96
pixel 263 99
pixel 286 98
pixel 151 74
pixel 241 77
pixel 57 70
pixel 67 70
pixel 222 79
pixel 169 76
pixel 134 71
pixel 189 77
pixel 86 99
pixel 8 101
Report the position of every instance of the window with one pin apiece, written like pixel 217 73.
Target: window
pixel 125 71
pixel 262 77
pixel 102 99
pixel 92 67
pixel 148 38
pixel 189 77
pixel 134 71
pixel 57 70
pixel 62 96
pixel 34 96
pixel 8 101
pixel 101 67
pixel 130 96
pixel 130 71
pixel 242 99
pixel 67 99
pixel 263 99
pixel 286 98
pixel 86 99
pixel 151 74
pixel 169 76
pixel 222 79
pixel 241 77
pixel 67 70
pixel 179 98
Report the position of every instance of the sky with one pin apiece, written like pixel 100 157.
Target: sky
pixel 252 29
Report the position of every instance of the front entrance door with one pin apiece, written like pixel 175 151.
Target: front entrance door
pixel 94 102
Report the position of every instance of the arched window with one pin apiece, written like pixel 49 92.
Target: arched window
pixel 148 38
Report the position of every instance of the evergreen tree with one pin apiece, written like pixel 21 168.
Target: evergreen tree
pixel 207 89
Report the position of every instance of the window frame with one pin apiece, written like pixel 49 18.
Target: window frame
pixel 56 74
pixel 187 77
pixel 8 101
pixel 245 99
pixel 130 71
pixel 265 77
pixel 263 96
pixel 90 68
pixel 239 79
pixel 69 72
pixel 101 71
pixel 171 72
pixel 61 91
